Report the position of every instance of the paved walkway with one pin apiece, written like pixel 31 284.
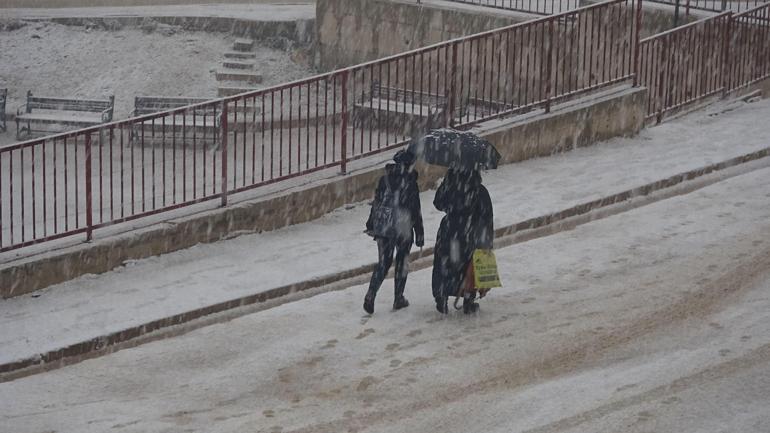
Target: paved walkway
pixel 159 287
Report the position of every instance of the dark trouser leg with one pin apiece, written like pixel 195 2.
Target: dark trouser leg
pixel 402 269
pixel 385 253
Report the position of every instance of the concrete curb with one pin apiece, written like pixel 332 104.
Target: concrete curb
pixel 534 227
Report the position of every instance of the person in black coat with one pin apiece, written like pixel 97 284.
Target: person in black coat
pixel 468 225
pixel 395 222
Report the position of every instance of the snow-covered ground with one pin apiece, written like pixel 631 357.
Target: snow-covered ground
pixel 157 287
pixel 652 320
pixel 258 10
pixel 66 61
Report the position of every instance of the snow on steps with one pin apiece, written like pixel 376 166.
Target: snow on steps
pixel 234 64
pixel 238 75
pixel 240 55
pixel 243 45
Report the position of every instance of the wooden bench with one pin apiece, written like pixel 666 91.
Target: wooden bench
pixel 66 113
pixel 3 98
pixel 200 123
pixel 403 109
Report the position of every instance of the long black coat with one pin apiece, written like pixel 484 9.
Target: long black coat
pixel 467 225
pixel 403 183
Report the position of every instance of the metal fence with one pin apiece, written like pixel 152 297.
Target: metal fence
pixel 80 181
pixel 713 5
pixel 704 58
pixel 749 48
pixel 540 7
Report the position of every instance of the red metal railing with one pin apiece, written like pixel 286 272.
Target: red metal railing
pixel 749 47
pixel 705 58
pixel 541 7
pixel 684 65
pixel 83 180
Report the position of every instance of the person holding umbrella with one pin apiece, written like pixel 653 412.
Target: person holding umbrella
pixel 468 224
pixel 395 222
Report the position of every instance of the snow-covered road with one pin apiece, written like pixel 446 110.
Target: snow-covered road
pixel 651 320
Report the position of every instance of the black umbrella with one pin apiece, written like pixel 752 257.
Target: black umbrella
pixel 457 149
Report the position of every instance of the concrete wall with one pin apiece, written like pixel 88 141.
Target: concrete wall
pixel 355 31
pixel 568 126
pixel 350 32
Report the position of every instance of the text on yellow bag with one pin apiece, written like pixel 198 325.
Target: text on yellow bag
pixel 485 270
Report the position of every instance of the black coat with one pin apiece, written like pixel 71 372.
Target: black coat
pixel 403 183
pixel 468 225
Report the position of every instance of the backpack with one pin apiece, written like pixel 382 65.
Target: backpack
pixel 384 215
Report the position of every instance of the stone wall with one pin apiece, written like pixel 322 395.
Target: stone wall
pixel 355 31
pixel 350 32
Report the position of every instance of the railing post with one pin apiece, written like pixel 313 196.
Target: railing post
pixel 726 54
pixel 676 13
pixel 662 77
pixel 344 132
pixel 89 190
pixel 549 68
pixel 637 41
pixel 452 94
pixel 223 180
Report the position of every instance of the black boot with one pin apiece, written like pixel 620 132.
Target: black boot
pixel 442 305
pixel 369 301
pixel 469 306
pixel 399 301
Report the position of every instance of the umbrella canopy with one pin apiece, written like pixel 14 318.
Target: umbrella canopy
pixel 458 149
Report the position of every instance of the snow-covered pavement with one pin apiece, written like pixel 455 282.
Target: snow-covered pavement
pixel 656 319
pixel 158 287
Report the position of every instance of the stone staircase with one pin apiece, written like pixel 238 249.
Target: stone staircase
pixel 237 73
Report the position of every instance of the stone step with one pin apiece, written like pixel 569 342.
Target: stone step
pixel 240 76
pixel 234 64
pixel 240 55
pixel 229 90
pixel 243 45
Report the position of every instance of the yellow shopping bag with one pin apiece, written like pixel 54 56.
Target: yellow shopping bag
pixel 485 270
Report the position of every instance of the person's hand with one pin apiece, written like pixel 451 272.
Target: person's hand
pixel 420 240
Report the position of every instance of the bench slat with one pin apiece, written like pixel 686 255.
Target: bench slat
pixel 63 104
pixel 54 118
